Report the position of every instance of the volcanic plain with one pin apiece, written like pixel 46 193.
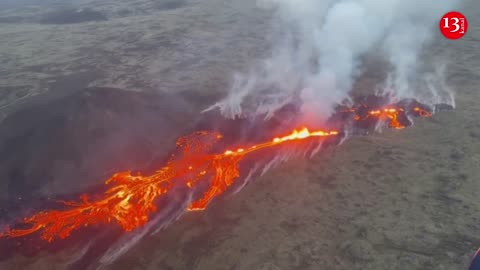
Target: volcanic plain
pixel 393 200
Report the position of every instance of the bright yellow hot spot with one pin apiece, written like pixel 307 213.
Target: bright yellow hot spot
pixel 130 199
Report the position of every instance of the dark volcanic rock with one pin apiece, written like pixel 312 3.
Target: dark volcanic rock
pixel 11 19
pixel 66 143
pixel 69 16
pixel 63 145
pixel 170 4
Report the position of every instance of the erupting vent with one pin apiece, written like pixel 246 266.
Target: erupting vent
pixel 131 199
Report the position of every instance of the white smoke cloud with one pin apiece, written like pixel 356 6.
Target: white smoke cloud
pixel 318 56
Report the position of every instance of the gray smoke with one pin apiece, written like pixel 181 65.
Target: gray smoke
pixel 319 55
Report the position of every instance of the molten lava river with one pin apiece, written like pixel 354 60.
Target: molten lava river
pixel 131 199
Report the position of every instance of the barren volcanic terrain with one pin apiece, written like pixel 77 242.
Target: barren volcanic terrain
pixel 392 200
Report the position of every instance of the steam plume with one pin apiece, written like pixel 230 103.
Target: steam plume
pixel 319 52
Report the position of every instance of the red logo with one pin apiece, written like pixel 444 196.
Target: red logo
pixel 453 25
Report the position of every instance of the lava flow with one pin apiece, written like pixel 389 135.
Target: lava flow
pixel 131 199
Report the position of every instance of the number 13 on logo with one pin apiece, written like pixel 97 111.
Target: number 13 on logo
pixel 453 25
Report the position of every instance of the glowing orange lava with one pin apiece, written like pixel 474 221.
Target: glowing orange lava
pixel 389 114
pixel 131 198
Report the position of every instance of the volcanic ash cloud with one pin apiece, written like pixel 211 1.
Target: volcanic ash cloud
pixel 317 55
